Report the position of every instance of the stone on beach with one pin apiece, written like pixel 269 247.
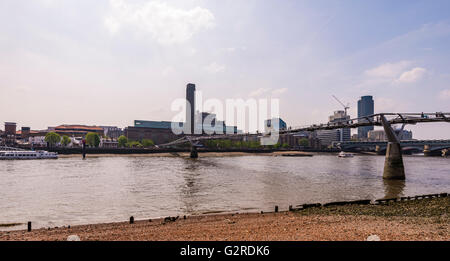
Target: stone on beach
pixel 373 238
pixel 73 238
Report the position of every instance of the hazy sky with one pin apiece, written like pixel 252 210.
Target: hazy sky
pixel 110 62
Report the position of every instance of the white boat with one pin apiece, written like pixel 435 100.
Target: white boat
pixel 24 154
pixel 345 155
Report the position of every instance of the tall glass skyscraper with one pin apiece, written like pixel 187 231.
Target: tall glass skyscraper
pixel 365 108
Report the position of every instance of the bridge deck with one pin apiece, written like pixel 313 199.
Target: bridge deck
pixel 371 120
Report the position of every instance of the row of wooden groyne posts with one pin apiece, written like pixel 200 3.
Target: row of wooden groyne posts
pixel 364 202
pixel 316 205
pixel 336 203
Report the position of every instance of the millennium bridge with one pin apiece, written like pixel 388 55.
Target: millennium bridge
pixel 393 167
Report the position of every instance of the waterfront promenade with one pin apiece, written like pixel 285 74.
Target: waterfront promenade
pixel 425 219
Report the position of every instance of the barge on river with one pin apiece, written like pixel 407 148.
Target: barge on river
pixel 25 155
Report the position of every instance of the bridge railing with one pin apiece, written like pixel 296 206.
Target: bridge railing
pixel 369 120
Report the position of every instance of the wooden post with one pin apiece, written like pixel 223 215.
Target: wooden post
pixel 84 149
pixel 194 153
pixel 29 226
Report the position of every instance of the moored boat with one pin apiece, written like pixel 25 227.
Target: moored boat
pixel 343 154
pixel 23 154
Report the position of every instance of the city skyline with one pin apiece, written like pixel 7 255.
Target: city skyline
pixel 97 63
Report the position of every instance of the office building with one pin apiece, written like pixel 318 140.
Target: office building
pixel 365 108
pixel 274 124
pixel 380 135
pixel 200 118
pixel 9 135
pixel 327 137
pixel 112 132
pixel 341 116
pixel 76 130
pixel 25 133
pixel 297 140
pixel 207 123
pixel 158 131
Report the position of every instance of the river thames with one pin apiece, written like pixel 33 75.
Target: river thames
pixel 71 191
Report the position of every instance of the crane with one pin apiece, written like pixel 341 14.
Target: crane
pixel 346 107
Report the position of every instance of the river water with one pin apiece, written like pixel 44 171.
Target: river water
pixel 71 191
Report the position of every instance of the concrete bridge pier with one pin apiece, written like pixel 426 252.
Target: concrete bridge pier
pixel 194 153
pixel 427 150
pixel 379 150
pixel 393 164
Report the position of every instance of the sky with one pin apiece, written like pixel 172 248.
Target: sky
pixel 109 62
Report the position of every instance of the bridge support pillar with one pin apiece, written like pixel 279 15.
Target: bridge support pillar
pixel 379 150
pixel 427 150
pixel 194 153
pixel 393 164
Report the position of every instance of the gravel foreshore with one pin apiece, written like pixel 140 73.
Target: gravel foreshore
pixel 425 219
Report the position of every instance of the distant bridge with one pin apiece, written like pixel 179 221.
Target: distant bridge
pixel 429 147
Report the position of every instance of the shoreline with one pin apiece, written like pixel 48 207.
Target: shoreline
pixel 201 154
pixel 424 219
pixel 219 154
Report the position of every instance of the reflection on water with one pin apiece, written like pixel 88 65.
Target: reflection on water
pixel 191 187
pixel 393 188
pixel 103 189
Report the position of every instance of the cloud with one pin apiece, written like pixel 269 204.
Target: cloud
pixel 215 68
pixel 444 94
pixel 394 73
pixel 421 36
pixel 383 104
pixel 167 71
pixel 164 23
pixel 388 70
pixel 234 49
pixel 279 91
pixel 412 76
pixel 48 3
pixel 230 49
pixel 259 92
pixel 267 92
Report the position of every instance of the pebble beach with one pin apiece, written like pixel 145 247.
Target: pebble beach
pixel 416 220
